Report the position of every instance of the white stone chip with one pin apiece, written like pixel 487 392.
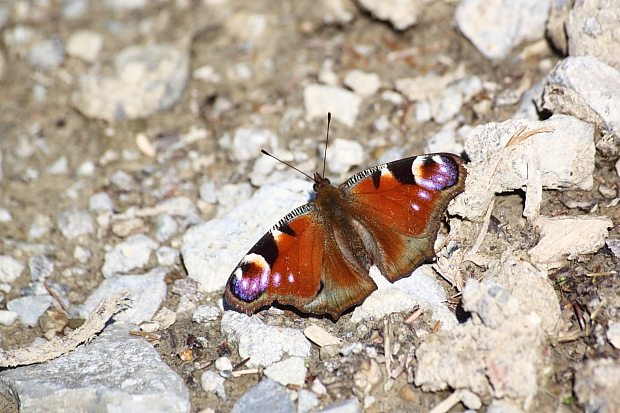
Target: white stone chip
pixel 343 104
pixel 362 83
pixel 290 371
pixel 344 154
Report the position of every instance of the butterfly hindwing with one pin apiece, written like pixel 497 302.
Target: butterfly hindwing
pixel 400 204
pixel 298 263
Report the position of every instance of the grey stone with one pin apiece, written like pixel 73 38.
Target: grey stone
pixel 262 343
pixel 613 334
pixel 10 269
pixel 306 401
pixel 167 256
pixel 130 254
pixel 495 27
pixel 343 154
pixel 590 92
pixel 47 54
pixel 597 385
pixel 289 371
pixel 498 353
pixel 166 227
pixel 123 181
pixel 148 79
pixel 148 292
pixel 60 167
pixel 30 308
pixel 320 99
pixel 74 9
pixel 266 396
pixel 206 313
pixel 346 406
pixel 75 222
pixel 400 14
pixel 114 372
pixel 420 289
pixel 212 382
pixel 592 30
pixel 207 192
pixel 40 267
pixel 247 143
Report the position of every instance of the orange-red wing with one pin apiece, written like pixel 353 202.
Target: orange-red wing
pixel 297 263
pixel 400 204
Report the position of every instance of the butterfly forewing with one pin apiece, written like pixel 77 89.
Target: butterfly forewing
pixel 400 204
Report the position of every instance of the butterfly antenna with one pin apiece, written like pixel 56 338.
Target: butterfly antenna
pixel 287 164
pixel 329 120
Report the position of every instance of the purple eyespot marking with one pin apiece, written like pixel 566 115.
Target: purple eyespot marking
pixel 251 278
pixel 435 172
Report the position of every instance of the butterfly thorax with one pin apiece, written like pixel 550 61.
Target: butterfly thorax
pixel 343 227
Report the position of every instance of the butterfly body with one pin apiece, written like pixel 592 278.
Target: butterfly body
pixel 317 258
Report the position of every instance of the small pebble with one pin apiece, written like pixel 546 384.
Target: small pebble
pixel 7 318
pixel 86 168
pixel 60 167
pixel 10 269
pixel 47 54
pixel 130 254
pixel 30 308
pixel 206 313
pixel 211 382
pixel 223 364
pixel 85 45
pixel 40 267
pixel 5 215
pixel 290 371
pixel 100 202
pixel 343 155
pixel 166 227
pixel 306 401
pixel 128 227
pixel 123 181
pixel 167 256
pixel 82 254
pixel 74 223
pixel 362 83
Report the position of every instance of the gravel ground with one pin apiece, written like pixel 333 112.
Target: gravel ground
pixel 129 131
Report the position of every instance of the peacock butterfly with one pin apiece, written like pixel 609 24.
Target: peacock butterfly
pixel 317 258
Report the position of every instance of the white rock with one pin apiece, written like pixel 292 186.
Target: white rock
pixel 41 225
pixel 400 13
pixel 206 74
pixel 85 45
pixel 100 202
pixel 590 91
pixel 211 382
pixel 343 154
pixel 232 195
pixel 428 86
pixel 30 308
pixel 130 254
pixel 60 167
pixel 307 401
pixel 351 405
pixel 167 256
pixel 5 215
pixel 499 334
pixel 223 364
pixel 7 318
pixel 343 104
pixel 75 222
pixel 47 54
pixel 148 79
pixel 568 237
pixel 592 30
pixel 165 317
pixel 420 289
pixel 495 27
pixel 82 254
pixel 560 159
pixel 318 387
pixel 40 267
pixel 613 334
pixel 597 385
pixel 148 292
pixel 362 83
pixel 444 141
pixel 392 97
pixel 423 111
pixel 447 104
pixel 123 181
pixel 207 192
pixel 86 168
pixel 166 227
pixel 247 143
pixel 206 313
pixel 212 250
pixel 338 12
pixel 290 371
pixel 262 343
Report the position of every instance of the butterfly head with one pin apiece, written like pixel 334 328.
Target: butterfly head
pixel 320 182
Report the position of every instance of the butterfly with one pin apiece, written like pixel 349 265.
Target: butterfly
pixel 317 258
